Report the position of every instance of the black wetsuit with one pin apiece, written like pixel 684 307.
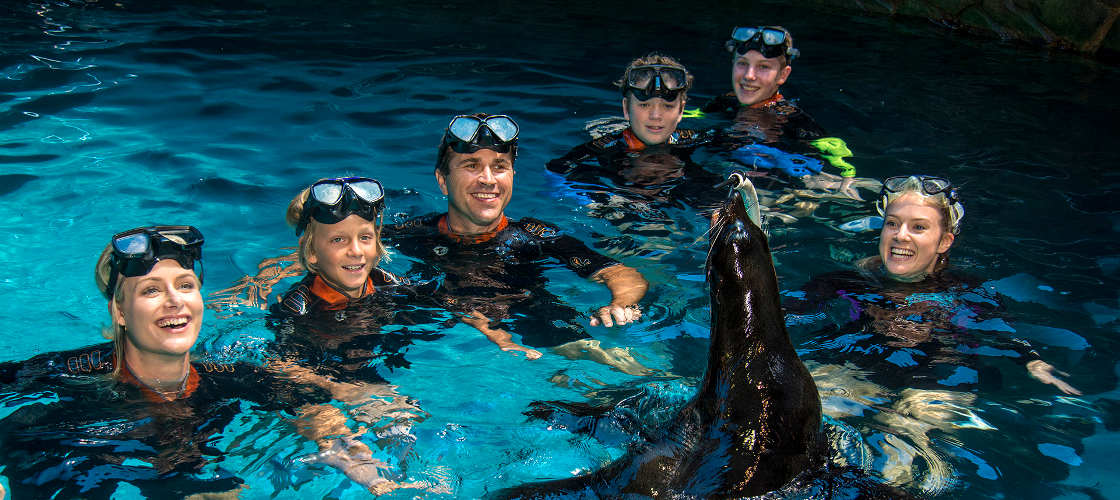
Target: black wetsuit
pixel 780 121
pixel 921 334
pixel 100 431
pixel 500 274
pixel 351 340
pixel 663 174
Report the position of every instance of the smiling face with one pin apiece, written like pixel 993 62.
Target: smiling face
pixel 478 186
pixel 654 119
pixel 344 253
pixel 161 312
pixel 756 78
pixel 912 238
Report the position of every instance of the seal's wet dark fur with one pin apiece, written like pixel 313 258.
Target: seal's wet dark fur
pixel 755 423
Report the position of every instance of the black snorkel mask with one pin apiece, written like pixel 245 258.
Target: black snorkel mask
pixel 332 200
pixel 466 134
pixel 655 80
pixel 770 41
pixel 136 251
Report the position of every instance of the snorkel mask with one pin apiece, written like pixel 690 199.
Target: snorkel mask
pixel 893 187
pixel 467 134
pixel 655 80
pixel 770 41
pixel 136 251
pixel 329 201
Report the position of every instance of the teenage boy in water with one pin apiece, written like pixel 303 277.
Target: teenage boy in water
pixel 760 65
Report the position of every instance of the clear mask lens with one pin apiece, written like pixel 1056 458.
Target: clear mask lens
pixel 367 190
pixel 327 193
pixel 134 244
pixel 503 127
pixel 464 128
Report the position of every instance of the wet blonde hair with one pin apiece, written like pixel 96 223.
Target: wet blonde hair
pixel 662 59
pixel 295 210
pixel 949 223
pixel 115 331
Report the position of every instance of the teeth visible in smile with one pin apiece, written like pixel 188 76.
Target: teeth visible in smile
pixel 354 267
pixel 902 252
pixel 486 196
pixel 172 322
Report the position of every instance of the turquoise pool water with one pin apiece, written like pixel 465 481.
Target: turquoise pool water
pixel 114 115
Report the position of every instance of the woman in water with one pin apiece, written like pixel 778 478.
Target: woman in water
pixel 910 338
pixel 139 410
pixel 907 292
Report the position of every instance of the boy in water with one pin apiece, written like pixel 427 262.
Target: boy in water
pixel 762 58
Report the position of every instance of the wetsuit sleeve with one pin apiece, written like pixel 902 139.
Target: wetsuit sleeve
pixel 567 249
pixel 44 370
pixel 568 163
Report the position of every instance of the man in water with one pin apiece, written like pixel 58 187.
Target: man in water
pixel 492 266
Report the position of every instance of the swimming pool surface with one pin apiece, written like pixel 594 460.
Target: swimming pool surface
pixel 120 114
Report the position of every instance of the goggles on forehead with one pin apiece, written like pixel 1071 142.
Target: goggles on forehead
pixel 767 40
pixel 332 200
pixel 655 80
pixel 469 133
pixel 930 186
pixel 136 251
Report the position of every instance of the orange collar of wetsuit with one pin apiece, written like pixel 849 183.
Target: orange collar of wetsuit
pixel 130 378
pixel 471 239
pixel 777 97
pixel 335 299
pixel 633 143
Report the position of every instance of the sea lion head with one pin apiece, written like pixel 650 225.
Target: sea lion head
pixel 739 251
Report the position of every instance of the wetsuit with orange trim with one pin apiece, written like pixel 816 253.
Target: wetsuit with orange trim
pixel 501 273
pixel 71 430
pixel 357 339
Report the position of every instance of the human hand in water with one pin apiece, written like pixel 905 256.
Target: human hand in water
pixel 611 315
pixel 497 335
pixel 1044 372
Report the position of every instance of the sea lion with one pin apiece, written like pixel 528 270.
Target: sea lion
pixel 754 424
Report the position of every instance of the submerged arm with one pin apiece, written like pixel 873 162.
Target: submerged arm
pixel 500 337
